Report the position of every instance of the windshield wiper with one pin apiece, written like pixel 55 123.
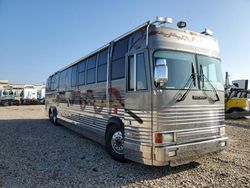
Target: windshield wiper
pixel 190 82
pixel 203 78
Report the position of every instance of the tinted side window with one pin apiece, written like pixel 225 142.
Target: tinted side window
pixel 131 73
pixel 68 79
pixel 136 68
pixel 103 56
pixel 118 68
pixel 118 59
pixel 54 81
pixel 48 84
pixel 74 76
pixel 65 80
pixel 91 63
pixel 81 72
pixel 62 81
pixel 81 66
pixel 91 70
pixel 120 49
pixel 141 79
pixel 102 66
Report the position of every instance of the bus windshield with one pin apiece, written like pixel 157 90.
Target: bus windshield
pixel 211 70
pixel 179 67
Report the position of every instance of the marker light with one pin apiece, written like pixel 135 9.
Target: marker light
pixel 222 144
pixel 172 153
pixel 222 131
pixel 181 24
pixel 160 19
pixel 207 32
pixel 168 137
pixel 158 138
pixel 164 138
pixel 168 20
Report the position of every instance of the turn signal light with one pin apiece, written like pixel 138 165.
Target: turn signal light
pixel 158 138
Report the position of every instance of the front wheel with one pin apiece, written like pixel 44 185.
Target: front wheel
pixel 115 142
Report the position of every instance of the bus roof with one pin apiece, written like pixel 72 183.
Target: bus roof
pixel 103 47
pixel 125 35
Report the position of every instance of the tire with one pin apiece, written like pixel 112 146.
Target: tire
pixel 115 142
pixel 53 117
pixel 235 111
pixel 5 103
pixel 17 103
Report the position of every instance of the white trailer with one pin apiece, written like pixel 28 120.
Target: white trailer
pixel 29 95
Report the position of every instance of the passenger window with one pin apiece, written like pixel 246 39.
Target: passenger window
pixel 68 79
pixel 118 59
pixel 81 72
pixel 120 49
pixel 102 66
pixel 131 73
pixel 91 70
pixel 141 81
pixel 118 68
pixel 74 76
pixel 136 69
pixel 65 80
pixel 48 84
pixel 54 81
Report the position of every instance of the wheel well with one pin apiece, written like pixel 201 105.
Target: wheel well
pixel 114 121
pixel 51 109
pixel 235 109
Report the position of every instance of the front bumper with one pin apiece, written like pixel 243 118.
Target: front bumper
pixel 186 153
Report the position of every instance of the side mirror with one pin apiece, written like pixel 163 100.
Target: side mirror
pixel 161 71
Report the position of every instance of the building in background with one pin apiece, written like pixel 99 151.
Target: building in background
pixel 3 83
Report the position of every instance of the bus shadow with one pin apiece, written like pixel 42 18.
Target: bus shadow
pixel 244 126
pixel 55 153
pixel 125 173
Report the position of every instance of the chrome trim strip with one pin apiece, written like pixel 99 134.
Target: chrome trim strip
pixel 194 129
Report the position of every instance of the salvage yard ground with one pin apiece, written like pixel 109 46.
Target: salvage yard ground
pixel 33 153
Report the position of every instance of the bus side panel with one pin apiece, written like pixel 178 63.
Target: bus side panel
pixel 86 108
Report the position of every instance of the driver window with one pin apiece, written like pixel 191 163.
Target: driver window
pixel 137 72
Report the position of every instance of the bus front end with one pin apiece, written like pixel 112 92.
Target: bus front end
pixel 187 97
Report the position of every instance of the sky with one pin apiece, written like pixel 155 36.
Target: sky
pixel 39 37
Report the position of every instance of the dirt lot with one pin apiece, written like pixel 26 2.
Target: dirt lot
pixel 33 153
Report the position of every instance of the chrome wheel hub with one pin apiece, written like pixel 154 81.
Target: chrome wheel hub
pixel 54 119
pixel 51 116
pixel 117 142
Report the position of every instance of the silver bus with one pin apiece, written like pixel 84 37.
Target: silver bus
pixel 155 95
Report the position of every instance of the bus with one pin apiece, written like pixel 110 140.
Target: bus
pixel 154 95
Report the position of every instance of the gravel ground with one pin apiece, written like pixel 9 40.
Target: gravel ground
pixel 33 153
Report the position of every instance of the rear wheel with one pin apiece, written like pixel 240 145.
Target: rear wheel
pixel 115 142
pixel 235 111
pixel 53 116
pixel 5 103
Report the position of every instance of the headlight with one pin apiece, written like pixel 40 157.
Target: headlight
pixel 222 131
pixel 164 137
